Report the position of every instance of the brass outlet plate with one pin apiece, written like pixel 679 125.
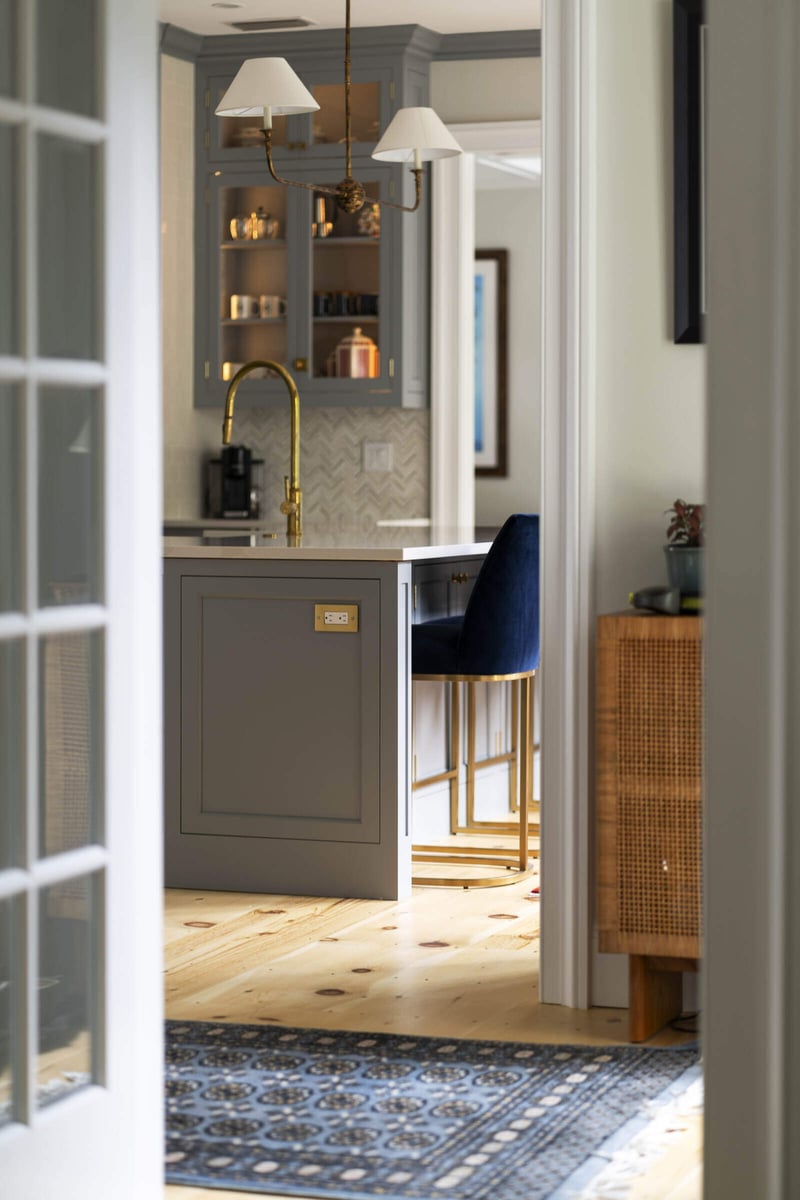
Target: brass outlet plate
pixel 336 618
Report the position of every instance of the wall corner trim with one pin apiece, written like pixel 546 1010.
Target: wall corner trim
pixel 178 42
pixel 517 43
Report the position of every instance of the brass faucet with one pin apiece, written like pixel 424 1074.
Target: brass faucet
pixel 292 504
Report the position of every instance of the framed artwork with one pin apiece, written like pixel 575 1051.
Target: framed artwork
pixel 688 71
pixel 491 269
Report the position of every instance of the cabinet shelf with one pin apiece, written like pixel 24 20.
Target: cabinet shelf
pixel 347 319
pixel 230 321
pixel 330 242
pixel 253 244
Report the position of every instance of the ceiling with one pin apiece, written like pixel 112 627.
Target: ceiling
pixel 441 16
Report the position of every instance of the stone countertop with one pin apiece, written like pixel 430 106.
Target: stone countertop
pixel 392 544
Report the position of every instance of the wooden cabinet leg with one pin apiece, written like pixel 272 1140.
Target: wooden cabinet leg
pixel 656 997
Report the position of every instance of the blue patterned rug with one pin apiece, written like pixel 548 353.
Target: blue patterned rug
pixel 308 1112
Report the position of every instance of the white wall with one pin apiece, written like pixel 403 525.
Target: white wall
pixel 650 442
pixel 189 434
pixel 489 89
pixel 650 393
pixel 510 219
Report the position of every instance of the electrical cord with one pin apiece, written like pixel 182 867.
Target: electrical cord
pixel 686 1023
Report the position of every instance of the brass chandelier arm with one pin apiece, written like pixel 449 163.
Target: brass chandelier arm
pixel 310 187
pixel 417 173
pixel 326 190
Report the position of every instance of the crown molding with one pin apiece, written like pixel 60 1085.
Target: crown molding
pixel 424 43
pixel 179 43
pixel 518 43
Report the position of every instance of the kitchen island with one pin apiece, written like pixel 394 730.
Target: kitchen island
pixel 288 704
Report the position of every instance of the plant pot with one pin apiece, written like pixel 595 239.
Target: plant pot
pixel 685 568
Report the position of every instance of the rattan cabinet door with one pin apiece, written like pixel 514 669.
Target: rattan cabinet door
pixel 649 784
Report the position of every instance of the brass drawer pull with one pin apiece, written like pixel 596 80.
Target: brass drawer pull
pixel 459 577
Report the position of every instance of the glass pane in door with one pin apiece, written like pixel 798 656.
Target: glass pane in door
pixel 8 48
pixel 346 289
pixel 253 277
pixel 70 496
pixel 328 123
pixel 66 55
pixel 71 739
pixel 67 226
pixel 6 1015
pixel 9 241
pixel 11 589
pixel 12 754
pixel 68 991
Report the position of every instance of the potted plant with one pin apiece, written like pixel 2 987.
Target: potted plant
pixel 684 549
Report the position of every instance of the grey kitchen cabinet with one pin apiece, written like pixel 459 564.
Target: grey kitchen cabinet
pixel 370 270
pixel 442 589
pixel 285 753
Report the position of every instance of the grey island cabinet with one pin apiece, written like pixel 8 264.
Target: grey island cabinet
pixel 288 706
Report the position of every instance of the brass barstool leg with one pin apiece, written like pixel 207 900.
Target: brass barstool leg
pixel 470 755
pixel 514 748
pixel 526 772
pixel 455 751
pixel 513 861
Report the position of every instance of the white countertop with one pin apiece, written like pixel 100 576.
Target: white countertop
pixel 392 544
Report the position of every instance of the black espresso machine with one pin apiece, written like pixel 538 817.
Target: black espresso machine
pixel 234 484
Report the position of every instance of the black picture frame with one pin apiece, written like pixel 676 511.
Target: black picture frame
pixel 688 21
pixel 493 461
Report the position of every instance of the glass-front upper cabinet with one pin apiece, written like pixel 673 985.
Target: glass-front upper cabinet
pixel 297 282
pixel 253 276
pixel 282 274
pixel 346 279
pixel 328 124
pixel 240 138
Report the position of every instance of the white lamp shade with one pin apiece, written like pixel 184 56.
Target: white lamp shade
pixel 416 132
pixel 265 83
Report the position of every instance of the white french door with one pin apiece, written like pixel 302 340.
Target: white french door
pixel 80 755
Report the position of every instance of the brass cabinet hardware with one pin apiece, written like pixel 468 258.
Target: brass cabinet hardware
pixel 459 577
pixel 300 364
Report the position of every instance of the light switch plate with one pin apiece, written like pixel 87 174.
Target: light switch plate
pixel 377 456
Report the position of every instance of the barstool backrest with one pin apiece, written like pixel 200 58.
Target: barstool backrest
pixel 500 630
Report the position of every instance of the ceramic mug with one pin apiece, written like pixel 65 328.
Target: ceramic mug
pixel 243 307
pixel 272 306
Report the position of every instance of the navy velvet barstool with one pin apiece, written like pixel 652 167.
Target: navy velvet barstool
pixel 496 639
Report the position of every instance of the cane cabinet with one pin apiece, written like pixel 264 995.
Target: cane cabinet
pixel 649 798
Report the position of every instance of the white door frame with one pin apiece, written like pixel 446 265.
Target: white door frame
pixel 751 977
pixel 567 502
pixel 105 1138
pixel 568 399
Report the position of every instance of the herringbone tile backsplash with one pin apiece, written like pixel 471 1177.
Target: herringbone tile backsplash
pixel 337 492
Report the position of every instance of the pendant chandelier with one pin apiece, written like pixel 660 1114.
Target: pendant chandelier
pixel 266 87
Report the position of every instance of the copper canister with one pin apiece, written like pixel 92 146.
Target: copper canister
pixel 357 357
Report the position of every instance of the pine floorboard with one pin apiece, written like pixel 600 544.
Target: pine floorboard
pixel 444 963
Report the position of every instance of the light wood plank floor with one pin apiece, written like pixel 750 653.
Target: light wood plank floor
pixel 450 963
